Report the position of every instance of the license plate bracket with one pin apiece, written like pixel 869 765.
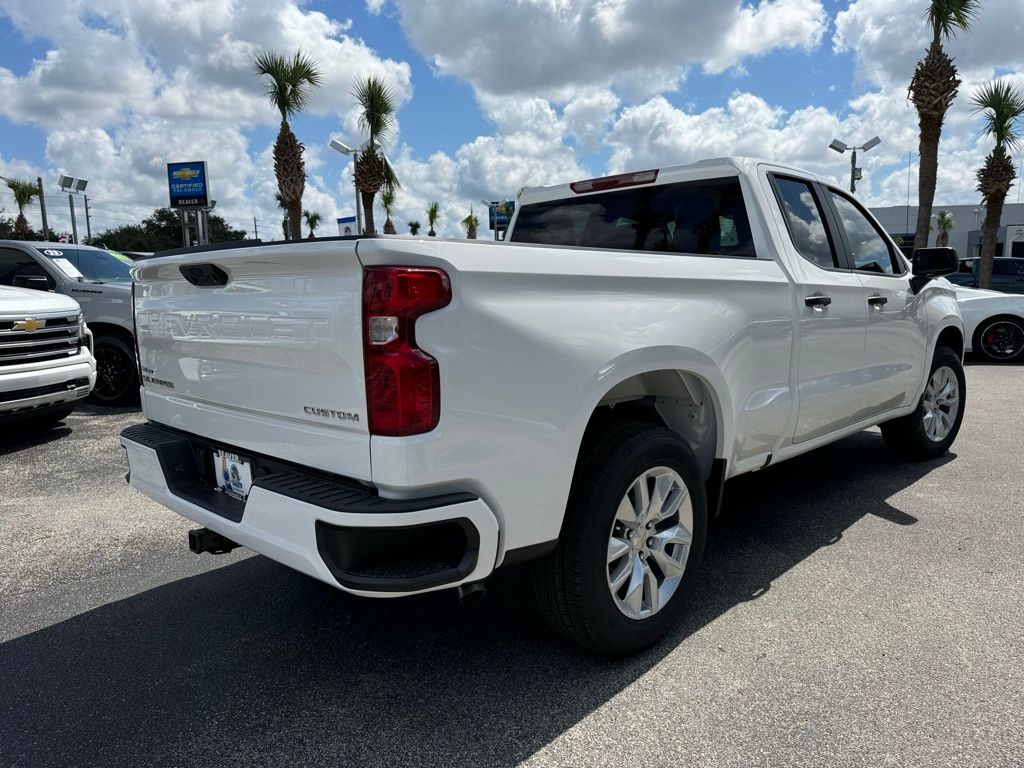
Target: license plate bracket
pixel 233 474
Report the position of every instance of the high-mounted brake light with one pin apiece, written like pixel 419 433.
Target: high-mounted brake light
pixel 615 182
pixel 403 384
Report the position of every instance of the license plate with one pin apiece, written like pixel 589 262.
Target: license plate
pixel 234 474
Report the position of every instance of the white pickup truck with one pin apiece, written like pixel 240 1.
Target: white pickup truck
pixel 46 362
pixel 395 415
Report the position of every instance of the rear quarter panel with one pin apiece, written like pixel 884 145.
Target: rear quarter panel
pixel 535 336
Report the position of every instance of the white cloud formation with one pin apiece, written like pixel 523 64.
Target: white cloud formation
pixel 888 38
pixel 572 88
pixel 552 47
pixel 126 86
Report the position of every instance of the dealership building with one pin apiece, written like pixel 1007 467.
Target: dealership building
pixel 900 220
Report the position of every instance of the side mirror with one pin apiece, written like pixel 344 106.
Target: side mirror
pixel 35 282
pixel 930 263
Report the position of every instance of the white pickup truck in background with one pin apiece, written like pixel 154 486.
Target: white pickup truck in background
pixel 46 362
pixel 395 415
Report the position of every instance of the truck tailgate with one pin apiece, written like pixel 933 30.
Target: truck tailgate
pixel 263 353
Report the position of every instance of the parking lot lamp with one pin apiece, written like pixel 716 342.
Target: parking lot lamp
pixel 345 149
pixel 855 172
pixel 72 186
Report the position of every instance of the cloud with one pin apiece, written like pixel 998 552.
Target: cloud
pixel 552 47
pixel 887 39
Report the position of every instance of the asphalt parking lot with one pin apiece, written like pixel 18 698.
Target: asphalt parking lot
pixel 852 611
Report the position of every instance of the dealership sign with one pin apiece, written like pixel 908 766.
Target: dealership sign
pixel 187 185
pixel 500 215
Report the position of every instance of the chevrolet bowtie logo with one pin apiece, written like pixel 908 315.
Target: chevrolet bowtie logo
pixel 29 325
pixel 185 174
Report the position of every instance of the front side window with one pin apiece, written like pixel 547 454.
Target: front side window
pixel 16 265
pixel 96 265
pixel 706 218
pixel 806 222
pixel 869 250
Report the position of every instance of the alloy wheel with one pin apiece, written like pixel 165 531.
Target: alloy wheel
pixel 649 542
pixel 113 373
pixel 941 403
pixel 1002 340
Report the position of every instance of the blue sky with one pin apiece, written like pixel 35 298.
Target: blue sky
pixel 493 95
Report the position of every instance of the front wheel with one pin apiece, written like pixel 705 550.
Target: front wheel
pixel 930 430
pixel 116 377
pixel 632 541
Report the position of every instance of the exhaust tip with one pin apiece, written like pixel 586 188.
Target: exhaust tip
pixel 471 594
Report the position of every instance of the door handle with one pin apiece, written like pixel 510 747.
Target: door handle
pixel 877 301
pixel 817 303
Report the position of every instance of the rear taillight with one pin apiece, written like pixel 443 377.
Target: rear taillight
pixel 403 387
pixel 135 337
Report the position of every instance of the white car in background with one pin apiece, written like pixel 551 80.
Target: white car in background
pixel 993 323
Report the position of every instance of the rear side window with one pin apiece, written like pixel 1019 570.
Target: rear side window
pixel 706 218
pixel 805 221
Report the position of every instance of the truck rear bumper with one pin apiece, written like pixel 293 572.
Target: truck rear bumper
pixel 333 530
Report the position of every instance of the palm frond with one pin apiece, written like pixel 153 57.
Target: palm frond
pixel 290 82
pixel 1002 104
pixel 387 199
pixel 24 191
pixel 433 213
pixel 948 16
pixel 377 103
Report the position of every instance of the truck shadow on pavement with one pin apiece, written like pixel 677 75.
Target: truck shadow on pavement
pixel 252 664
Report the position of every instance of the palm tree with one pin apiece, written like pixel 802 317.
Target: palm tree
pixel 943 223
pixel 313 219
pixel 290 83
pixel 932 89
pixel 373 171
pixel 286 226
pixel 414 228
pixel 1002 104
pixel 24 193
pixel 433 215
pixel 470 223
pixel 387 200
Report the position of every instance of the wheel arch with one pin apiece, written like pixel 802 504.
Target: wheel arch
pixel 681 389
pixel 110 329
pixel 952 337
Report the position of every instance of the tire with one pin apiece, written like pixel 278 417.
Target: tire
pixel 116 378
pixel 920 436
pixel 1000 339
pixel 573 583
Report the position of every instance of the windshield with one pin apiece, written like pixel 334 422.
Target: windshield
pixel 95 265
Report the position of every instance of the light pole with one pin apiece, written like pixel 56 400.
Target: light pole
pixel 345 149
pixel 72 186
pixel 855 172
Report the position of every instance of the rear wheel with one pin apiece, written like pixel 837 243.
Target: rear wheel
pixel 116 377
pixel 928 432
pixel 1000 339
pixel 632 541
